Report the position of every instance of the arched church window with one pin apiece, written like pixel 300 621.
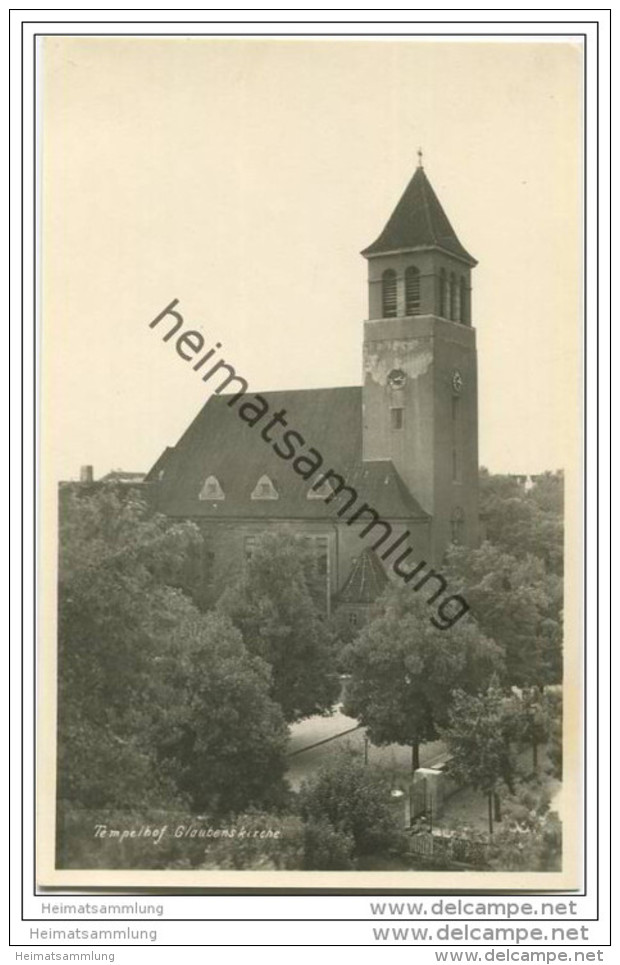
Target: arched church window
pixel 264 489
pixel 412 291
pixel 389 300
pixel 211 489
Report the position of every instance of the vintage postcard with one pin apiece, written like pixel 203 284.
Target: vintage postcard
pixel 311 463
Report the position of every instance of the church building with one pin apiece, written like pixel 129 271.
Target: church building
pixel 405 442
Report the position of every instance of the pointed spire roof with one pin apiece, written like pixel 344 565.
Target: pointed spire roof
pixel 419 221
pixel 366 581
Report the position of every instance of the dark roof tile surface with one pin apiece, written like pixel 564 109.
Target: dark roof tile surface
pixel 419 221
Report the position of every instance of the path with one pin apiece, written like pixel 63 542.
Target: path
pixel 306 755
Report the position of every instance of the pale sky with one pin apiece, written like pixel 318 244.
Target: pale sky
pixel 243 177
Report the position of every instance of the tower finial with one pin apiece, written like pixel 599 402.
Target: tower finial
pixel 420 165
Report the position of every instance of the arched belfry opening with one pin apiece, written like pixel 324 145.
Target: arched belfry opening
pixel 412 290
pixel 389 294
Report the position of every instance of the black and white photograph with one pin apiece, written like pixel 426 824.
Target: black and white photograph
pixel 311 462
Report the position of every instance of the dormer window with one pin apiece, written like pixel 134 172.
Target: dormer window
pixel 211 490
pixel 388 293
pixel 265 489
pixel 412 291
pixel 322 490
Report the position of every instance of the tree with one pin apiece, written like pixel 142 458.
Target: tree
pixel 548 492
pixel 517 603
pixel 403 669
pixel 533 720
pixel 354 802
pixel 114 614
pixel 227 739
pixel 478 739
pixel 272 606
pixel 342 632
pixel 160 706
pixel 525 523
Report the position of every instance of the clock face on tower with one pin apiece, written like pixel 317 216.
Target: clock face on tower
pixel 457 381
pixel 397 378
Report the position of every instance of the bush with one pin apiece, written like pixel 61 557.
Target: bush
pixel 535 848
pixel 326 847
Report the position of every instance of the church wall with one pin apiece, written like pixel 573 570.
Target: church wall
pixel 407 345
pixel 435 450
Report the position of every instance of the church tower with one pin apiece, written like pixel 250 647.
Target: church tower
pixel 420 370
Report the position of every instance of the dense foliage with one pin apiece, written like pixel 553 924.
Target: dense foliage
pixel 348 806
pixel 516 603
pixel 525 522
pixel 159 706
pixel 166 710
pixel 535 715
pixel 479 739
